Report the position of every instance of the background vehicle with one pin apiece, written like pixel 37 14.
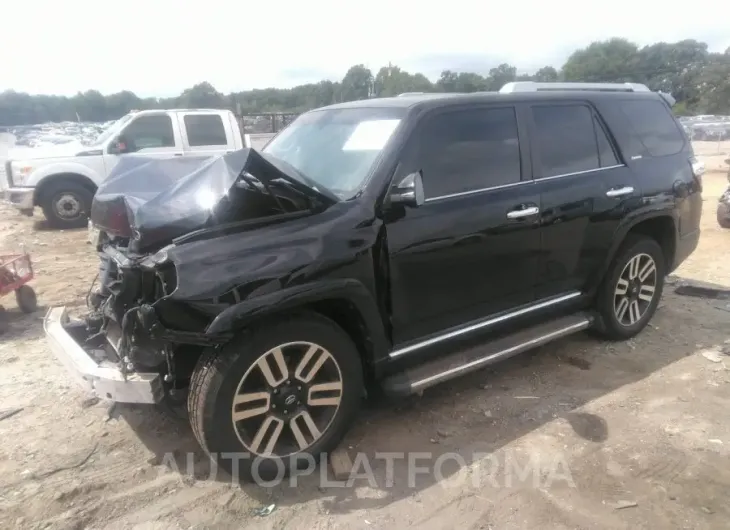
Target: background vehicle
pixel 392 243
pixel 723 205
pixel 63 182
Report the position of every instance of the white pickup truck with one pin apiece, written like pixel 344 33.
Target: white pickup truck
pixel 63 183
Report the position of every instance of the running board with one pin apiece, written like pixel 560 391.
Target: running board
pixel 444 368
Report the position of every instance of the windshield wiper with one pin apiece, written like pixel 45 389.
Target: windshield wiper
pixel 302 178
pixel 250 179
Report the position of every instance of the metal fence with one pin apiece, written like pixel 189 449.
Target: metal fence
pixel 265 122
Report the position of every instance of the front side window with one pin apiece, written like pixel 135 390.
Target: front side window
pixel 469 150
pixel 149 132
pixel 336 148
pixel 204 130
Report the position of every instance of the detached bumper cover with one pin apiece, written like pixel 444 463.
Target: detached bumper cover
pixel 105 381
pixel 21 198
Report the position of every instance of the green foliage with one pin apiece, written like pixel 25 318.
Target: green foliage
pixel 698 80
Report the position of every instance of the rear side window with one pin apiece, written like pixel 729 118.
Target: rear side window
pixel 469 150
pixel 565 139
pixel 655 127
pixel 205 129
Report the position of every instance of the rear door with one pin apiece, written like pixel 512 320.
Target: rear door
pixel 205 134
pixel 584 187
pixel 150 135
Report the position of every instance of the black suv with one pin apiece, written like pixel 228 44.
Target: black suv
pixel 380 244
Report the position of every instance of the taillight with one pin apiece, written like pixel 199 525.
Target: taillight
pixel 698 169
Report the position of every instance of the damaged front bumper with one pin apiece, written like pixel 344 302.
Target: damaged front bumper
pixel 105 379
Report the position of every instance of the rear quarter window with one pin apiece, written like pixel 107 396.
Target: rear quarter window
pixel 654 126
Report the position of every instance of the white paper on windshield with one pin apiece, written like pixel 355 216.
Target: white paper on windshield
pixel 370 135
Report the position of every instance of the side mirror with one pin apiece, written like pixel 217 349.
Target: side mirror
pixel 118 146
pixel 409 191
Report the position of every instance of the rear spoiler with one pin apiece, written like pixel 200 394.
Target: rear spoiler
pixel 666 96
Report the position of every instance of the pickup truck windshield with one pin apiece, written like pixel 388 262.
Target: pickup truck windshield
pixel 112 129
pixel 336 148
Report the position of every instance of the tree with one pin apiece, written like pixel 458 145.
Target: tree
pixel 500 76
pixel 357 83
pixel 202 95
pixel 614 60
pixel 698 80
pixel 546 74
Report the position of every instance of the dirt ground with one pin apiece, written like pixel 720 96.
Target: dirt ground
pixel 639 429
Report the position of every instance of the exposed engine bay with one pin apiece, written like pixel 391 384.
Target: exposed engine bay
pixel 146 209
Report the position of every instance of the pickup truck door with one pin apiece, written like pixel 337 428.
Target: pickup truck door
pixel 153 135
pixel 206 133
pixel 585 190
pixel 472 249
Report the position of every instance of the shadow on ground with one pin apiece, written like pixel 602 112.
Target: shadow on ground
pixel 459 421
pixel 14 324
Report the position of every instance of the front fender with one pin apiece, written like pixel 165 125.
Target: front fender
pixel 237 316
pixel 59 168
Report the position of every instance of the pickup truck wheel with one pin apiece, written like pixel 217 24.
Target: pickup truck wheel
pixel 630 293
pixel 66 204
pixel 277 397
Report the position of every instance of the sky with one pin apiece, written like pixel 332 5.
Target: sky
pixel 161 47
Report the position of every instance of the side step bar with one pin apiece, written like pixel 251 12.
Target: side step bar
pixel 444 368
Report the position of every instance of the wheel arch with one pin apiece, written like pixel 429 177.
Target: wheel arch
pixel 44 185
pixel 660 226
pixel 346 302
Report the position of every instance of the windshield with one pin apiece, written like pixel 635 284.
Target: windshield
pixel 111 130
pixel 336 148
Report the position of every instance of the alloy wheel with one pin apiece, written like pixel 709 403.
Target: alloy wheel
pixel 287 399
pixel 635 289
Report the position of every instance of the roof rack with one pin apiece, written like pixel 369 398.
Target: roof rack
pixel 533 86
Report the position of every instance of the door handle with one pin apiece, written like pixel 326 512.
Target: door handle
pixel 525 212
pixel 620 192
pixel 178 154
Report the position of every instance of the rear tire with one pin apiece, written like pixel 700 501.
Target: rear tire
pixel 632 288
pixel 26 298
pixel 275 423
pixel 66 204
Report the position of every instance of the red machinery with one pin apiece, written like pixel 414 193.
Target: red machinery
pixel 16 270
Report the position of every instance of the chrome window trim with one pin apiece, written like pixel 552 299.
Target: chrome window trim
pixel 520 183
pixel 484 323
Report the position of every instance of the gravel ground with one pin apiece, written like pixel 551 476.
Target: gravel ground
pixel 623 435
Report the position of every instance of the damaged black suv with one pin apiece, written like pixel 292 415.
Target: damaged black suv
pixel 382 244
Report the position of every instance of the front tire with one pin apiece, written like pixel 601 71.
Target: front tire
pixel 276 397
pixel 66 204
pixel 632 288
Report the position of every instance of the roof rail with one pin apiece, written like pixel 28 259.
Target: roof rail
pixel 410 94
pixel 533 86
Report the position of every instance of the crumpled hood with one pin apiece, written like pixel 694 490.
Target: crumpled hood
pixel 153 201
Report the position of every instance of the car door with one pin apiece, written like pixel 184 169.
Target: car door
pixel 471 250
pixel 150 135
pixel 584 190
